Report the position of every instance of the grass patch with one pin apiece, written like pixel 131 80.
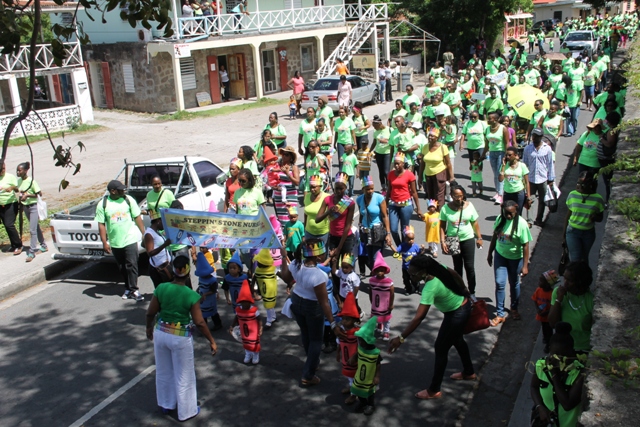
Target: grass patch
pixel 44 225
pixel 83 128
pixel 190 115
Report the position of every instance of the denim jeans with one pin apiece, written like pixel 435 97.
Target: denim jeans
pixel 466 259
pixel 579 243
pixel 506 269
pixel 495 159
pixel 402 215
pixel 573 120
pixel 350 185
pixel 340 153
pixel 383 87
pixel 516 197
pixel 310 319
pixel 451 334
pixel 382 160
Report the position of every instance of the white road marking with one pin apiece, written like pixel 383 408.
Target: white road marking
pixel 122 390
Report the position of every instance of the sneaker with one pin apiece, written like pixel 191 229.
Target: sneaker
pixel 497 200
pixel 494 196
pixel 30 257
pixel 256 358
pixel 385 336
pixel 126 294
pixel 136 296
pixel 44 248
pixel 267 324
pixel 247 358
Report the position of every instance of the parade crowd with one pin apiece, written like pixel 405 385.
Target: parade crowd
pixel 332 258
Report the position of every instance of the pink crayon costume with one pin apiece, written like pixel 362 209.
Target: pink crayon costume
pixel 381 293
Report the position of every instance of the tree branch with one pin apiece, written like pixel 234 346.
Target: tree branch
pixel 32 78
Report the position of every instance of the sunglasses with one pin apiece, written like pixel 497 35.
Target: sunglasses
pixel 242 181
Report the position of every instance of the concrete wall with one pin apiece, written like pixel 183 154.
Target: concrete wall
pixel 546 12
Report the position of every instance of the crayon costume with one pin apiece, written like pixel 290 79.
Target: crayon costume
pixel 234 284
pixel 249 322
pixel 349 345
pixel 381 293
pixel 265 274
pixel 368 363
pixel 432 229
pixel 207 283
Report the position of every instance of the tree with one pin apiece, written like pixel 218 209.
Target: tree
pixel 21 24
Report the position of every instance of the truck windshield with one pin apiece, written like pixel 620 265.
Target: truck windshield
pixel 142 175
pixel 578 37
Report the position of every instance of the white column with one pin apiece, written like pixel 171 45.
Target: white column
pixel 320 49
pixel 387 45
pixel 176 23
pixel 376 51
pixel 177 81
pixel 82 94
pixel 257 70
pixel 15 96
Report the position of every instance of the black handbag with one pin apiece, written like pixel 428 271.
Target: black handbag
pixel 453 242
pixel 377 233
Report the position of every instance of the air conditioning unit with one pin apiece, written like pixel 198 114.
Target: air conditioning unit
pixel 145 35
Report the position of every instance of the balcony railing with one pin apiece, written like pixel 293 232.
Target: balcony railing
pixel 194 28
pixel 19 63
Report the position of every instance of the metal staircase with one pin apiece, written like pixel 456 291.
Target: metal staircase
pixel 350 45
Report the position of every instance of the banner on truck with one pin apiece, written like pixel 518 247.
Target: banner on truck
pixel 219 230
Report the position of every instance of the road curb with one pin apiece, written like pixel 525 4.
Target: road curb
pixel 34 278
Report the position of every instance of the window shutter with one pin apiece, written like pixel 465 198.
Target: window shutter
pixel 127 71
pixel 188 73
pixel 297 4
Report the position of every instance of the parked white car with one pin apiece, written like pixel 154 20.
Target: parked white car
pixel 363 91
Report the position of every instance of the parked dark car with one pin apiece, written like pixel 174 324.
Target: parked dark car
pixel 547 24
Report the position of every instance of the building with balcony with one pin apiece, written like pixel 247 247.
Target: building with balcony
pixel 140 70
pixel 571 9
pixel 65 99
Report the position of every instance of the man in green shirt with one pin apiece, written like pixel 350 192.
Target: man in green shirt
pixel 9 208
pixel 118 216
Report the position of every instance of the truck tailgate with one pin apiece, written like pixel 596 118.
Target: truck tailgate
pixel 77 237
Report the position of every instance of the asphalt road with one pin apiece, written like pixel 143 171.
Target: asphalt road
pixel 68 347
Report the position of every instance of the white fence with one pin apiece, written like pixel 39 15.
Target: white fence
pixel 55 119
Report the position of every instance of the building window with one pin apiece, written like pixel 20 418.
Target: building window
pixel 188 73
pixel 297 4
pixel 306 57
pixel 127 71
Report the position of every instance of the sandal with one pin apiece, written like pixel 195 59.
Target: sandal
pixel 458 376
pixel 496 321
pixel 17 251
pixel 515 315
pixel 427 395
pixel 313 381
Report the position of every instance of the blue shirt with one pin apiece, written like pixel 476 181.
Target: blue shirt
pixel 370 213
pixel 540 163
pixel 408 252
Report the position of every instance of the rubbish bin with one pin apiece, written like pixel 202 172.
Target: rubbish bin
pixel 407 73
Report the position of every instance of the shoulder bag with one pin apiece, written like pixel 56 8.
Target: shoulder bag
pixel 478 319
pixel 377 232
pixel 606 155
pixel 453 242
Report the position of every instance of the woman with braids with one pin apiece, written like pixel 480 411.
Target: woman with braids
pixel 572 302
pixel 510 240
pixel 445 289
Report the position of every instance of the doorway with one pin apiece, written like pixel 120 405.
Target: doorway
pixel 557 15
pixel 237 77
pixel 269 70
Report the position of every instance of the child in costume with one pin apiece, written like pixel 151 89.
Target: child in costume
pixel 233 280
pixel 248 318
pixel 381 294
pixel 367 360
pixel 276 253
pixel 349 345
pixel 265 276
pixel 476 173
pixel 208 290
pixel 542 300
pixel 293 232
pixel 407 250
pixel 432 230
pixel 349 280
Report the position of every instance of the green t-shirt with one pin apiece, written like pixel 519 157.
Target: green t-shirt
pixel 294 232
pixel 308 131
pixel 407 100
pixel 514 177
pixel 8 196
pixel 343 129
pixel 589 154
pixel 552 125
pixel 491 104
pixel 248 201
pixel 311 211
pixel 430 91
pixel 577 75
pixel 359 122
pixel 573 95
pixel 474 134
pixel 590 77
pixel 555 80
pixel 566 418
pixel 278 131
pixel 496 139
pixel 578 312
pixel 402 141
pixel 165 201
pixel 349 163
pixel 252 166
pixel 453 218
pixel 118 217
pixel 535 118
pixel 508 247
pixel 175 302
pixel 582 206
pixel 326 113
pixel 382 147
pixel 395 113
pixel 35 189
pixel 531 77
pixel 436 293
pixel 451 99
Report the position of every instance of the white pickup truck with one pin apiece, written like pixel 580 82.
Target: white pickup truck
pixel 195 181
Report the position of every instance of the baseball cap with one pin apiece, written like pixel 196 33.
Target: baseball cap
pixel 416 125
pixel 537 131
pixel 115 185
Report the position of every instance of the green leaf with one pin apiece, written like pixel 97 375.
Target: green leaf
pixel 77 169
pixel 82 146
pixel 63 185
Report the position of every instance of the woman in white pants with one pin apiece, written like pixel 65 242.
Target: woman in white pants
pixel 178 309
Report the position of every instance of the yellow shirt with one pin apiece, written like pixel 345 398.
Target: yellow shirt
pixel 434 160
pixel 432 230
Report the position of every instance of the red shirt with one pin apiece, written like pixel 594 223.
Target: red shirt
pixel 231 188
pixel 543 302
pixel 337 224
pixel 400 185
